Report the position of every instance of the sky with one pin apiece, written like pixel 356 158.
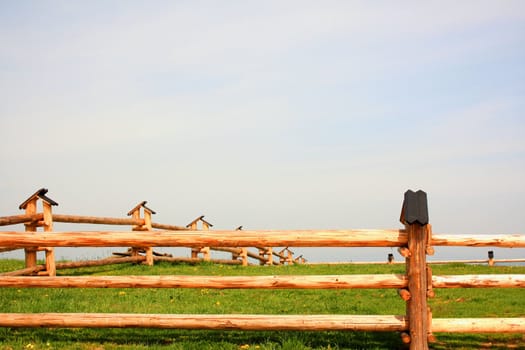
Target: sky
pixel 267 114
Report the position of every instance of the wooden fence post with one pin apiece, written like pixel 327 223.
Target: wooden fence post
pixel 491 258
pixel 30 206
pixel 50 251
pixel 414 216
pixel 197 250
pixel 30 253
pixel 147 226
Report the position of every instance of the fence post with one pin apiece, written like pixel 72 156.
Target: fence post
pixel 146 226
pixel 30 253
pixel 48 227
pixel 197 250
pixel 414 216
pixel 491 258
pixel 30 207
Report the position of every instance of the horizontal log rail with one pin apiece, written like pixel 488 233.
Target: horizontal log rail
pixel 479 281
pixel 479 325
pixel 219 322
pixel 82 219
pixel 281 238
pixel 303 238
pixel 239 251
pixel 98 220
pixel 464 240
pixel 197 260
pixel 20 219
pixel 367 323
pixel 216 282
pixel 259 282
pixel 10 249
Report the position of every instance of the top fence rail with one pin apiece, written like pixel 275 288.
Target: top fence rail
pixel 274 238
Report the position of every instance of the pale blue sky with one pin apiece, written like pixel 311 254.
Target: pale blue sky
pixel 267 114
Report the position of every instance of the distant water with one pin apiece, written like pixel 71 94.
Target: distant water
pixel 310 254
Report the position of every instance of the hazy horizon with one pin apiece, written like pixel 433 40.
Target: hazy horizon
pixel 270 115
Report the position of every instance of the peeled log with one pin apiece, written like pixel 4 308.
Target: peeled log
pixel 225 322
pixel 479 325
pixel 479 281
pixel 508 241
pixel 80 219
pixel 19 219
pixel 217 282
pixel 304 238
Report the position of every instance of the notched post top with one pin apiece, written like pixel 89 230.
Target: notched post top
pixel 41 193
pixel 141 205
pixel 201 219
pixel 415 208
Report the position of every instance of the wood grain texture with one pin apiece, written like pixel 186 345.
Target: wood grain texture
pixel 292 238
pixel 224 322
pixel 479 281
pixel 417 286
pixel 216 282
pixel 479 325
pixel 20 219
pixel 463 240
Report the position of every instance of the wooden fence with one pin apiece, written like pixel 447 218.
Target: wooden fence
pixel 415 241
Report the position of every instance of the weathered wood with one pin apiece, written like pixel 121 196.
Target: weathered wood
pixel 48 227
pixel 479 325
pixel 463 240
pixel 404 294
pixel 430 290
pixel 75 264
pixel 26 271
pixel 244 256
pixel 147 226
pixel 417 285
pixel 238 251
pixel 196 260
pixel 303 238
pixel 101 262
pixel 168 227
pixel 213 282
pixel 479 281
pixel 3 249
pixel 20 219
pixel 30 252
pixel 224 322
pixel 78 219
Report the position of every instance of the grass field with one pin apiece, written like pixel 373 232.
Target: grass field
pixel 447 303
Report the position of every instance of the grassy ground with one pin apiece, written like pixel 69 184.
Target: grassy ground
pixel 448 303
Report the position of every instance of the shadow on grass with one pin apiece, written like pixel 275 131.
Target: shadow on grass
pixel 186 339
pixel 263 340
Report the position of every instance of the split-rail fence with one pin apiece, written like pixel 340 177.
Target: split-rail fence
pixel 415 241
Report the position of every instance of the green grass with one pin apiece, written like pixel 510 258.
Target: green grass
pixel 448 303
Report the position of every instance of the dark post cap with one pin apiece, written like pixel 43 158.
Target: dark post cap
pixel 415 208
pixel 41 193
pixel 141 205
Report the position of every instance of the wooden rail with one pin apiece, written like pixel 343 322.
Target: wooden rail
pixel 262 282
pixel 282 238
pixel 218 282
pixel 415 287
pixel 82 219
pixel 225 322
pixel 20 219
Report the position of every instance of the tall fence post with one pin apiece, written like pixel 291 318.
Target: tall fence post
pixel 30 207
pixel 48 227
pixel 147 226
pixel 414 216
